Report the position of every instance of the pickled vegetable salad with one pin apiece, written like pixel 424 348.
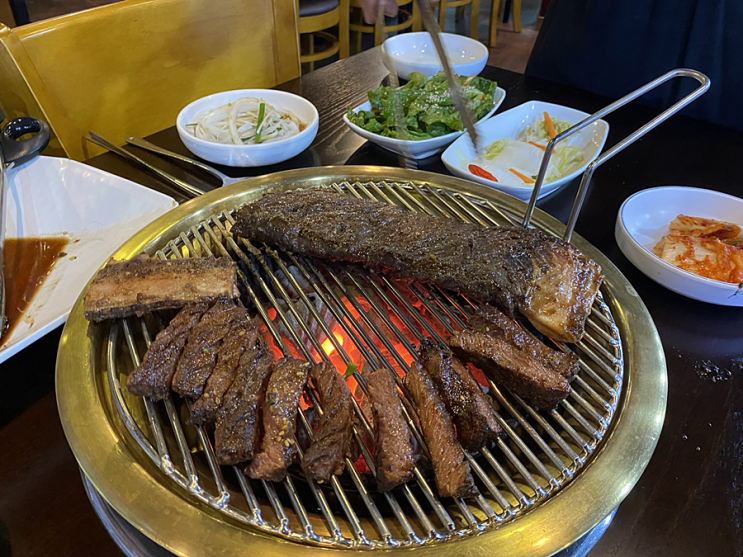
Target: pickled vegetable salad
pixel 516 162
pixel 426 104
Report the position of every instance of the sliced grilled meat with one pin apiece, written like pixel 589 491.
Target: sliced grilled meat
pixel 469 408
pixel 548 280
pixel 239 419
pixel 512 368
pixel 325 456
pixel 242 336
pixel 200 354
pixel 452 471
pixel 142 284
pixel 495 323
pixel 279 417
pixel 394 453
pixel 153 376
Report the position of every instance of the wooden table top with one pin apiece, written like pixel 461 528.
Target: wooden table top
pixel 689 501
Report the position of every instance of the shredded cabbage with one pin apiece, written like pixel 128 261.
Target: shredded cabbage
pixel 538 130
pixel 246 121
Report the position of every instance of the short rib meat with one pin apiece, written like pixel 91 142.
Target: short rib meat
pixel 142 284
pixel 332 442
pixel 469 407
pixel 242 336
pixel 452 471
pixel 153 376
pixel 279 417
pixel 394 454
pixel 495 323
pixel 200 354
pixel 239 419
pixel 513 367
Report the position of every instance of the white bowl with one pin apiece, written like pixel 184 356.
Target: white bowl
pixel 414 52
pixel 509 125
pixel 425 147
pixel 250 155
pixel 643 220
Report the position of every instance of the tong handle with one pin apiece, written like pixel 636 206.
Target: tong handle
pixel 704 82
pixel 187 189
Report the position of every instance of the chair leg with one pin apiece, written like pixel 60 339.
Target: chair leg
pixel 493 27
pixel 359 34
pixel 517 16
pixel 343 31
pixel 474 18
pixel 458 14
pixel 442 14
pixel 379 32
pixel 417 24
pixel 311 64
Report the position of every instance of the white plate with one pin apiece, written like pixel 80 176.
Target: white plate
pixel 643 220
pixel 509 125
pixel 418 149
pixel 95 210
pixel 415 52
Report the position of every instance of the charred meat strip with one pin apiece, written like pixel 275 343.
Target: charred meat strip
pixel 242 336
pixel 394 454
pixel 200 354
pixel 512 368
pixel 279 417
pixel 452 471
pixel 142 284
pixel 153 376
pixel 495 323
pixel 333 438
pixel 548 280
pixel 239 419
pixel 469 407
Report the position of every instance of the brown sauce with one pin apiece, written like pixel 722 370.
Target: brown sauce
pixel 26 263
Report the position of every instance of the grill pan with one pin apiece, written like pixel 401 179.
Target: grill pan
pixel 551 479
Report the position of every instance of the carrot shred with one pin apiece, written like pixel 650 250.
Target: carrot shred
pixel 481 172
pixel 525 178
pixel 542 147
pixel 550 126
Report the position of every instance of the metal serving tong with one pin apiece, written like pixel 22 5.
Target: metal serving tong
pixel 15 151
pixel 431 25
pixel 624 143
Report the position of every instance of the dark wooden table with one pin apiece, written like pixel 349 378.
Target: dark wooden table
pixel 688 503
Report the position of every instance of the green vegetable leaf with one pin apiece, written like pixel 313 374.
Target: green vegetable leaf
pixel 350 369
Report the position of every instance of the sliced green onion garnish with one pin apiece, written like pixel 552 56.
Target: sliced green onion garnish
pixel 261 114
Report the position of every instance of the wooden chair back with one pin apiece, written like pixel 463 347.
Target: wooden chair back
pixel 129 68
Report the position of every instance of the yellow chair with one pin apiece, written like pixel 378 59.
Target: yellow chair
pixel 315 17
pixel 516 4
pixel 129 68
pixel 409 20
pixel 460 4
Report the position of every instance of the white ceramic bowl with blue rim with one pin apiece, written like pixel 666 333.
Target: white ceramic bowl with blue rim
pixel 415 52
pixel 262 154
pixel 425 147
pixel 643 220
pixel 509 125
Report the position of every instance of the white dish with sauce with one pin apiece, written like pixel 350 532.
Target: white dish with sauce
pixel 643 220
pixel 510 125
pixel 93 210
pixel 415 52
pixel 262 154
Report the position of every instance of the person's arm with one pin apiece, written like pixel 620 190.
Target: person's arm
pixel 370 8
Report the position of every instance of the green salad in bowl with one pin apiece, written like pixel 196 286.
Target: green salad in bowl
pixel 426 105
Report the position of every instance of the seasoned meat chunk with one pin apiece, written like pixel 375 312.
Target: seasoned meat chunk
pixel 153 376
pixel 279 417
pixel 394 454
pixel 469 408
pixel 452 471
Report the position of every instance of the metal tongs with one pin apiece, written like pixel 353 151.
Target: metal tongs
pixel 468 119
pixel 15 151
